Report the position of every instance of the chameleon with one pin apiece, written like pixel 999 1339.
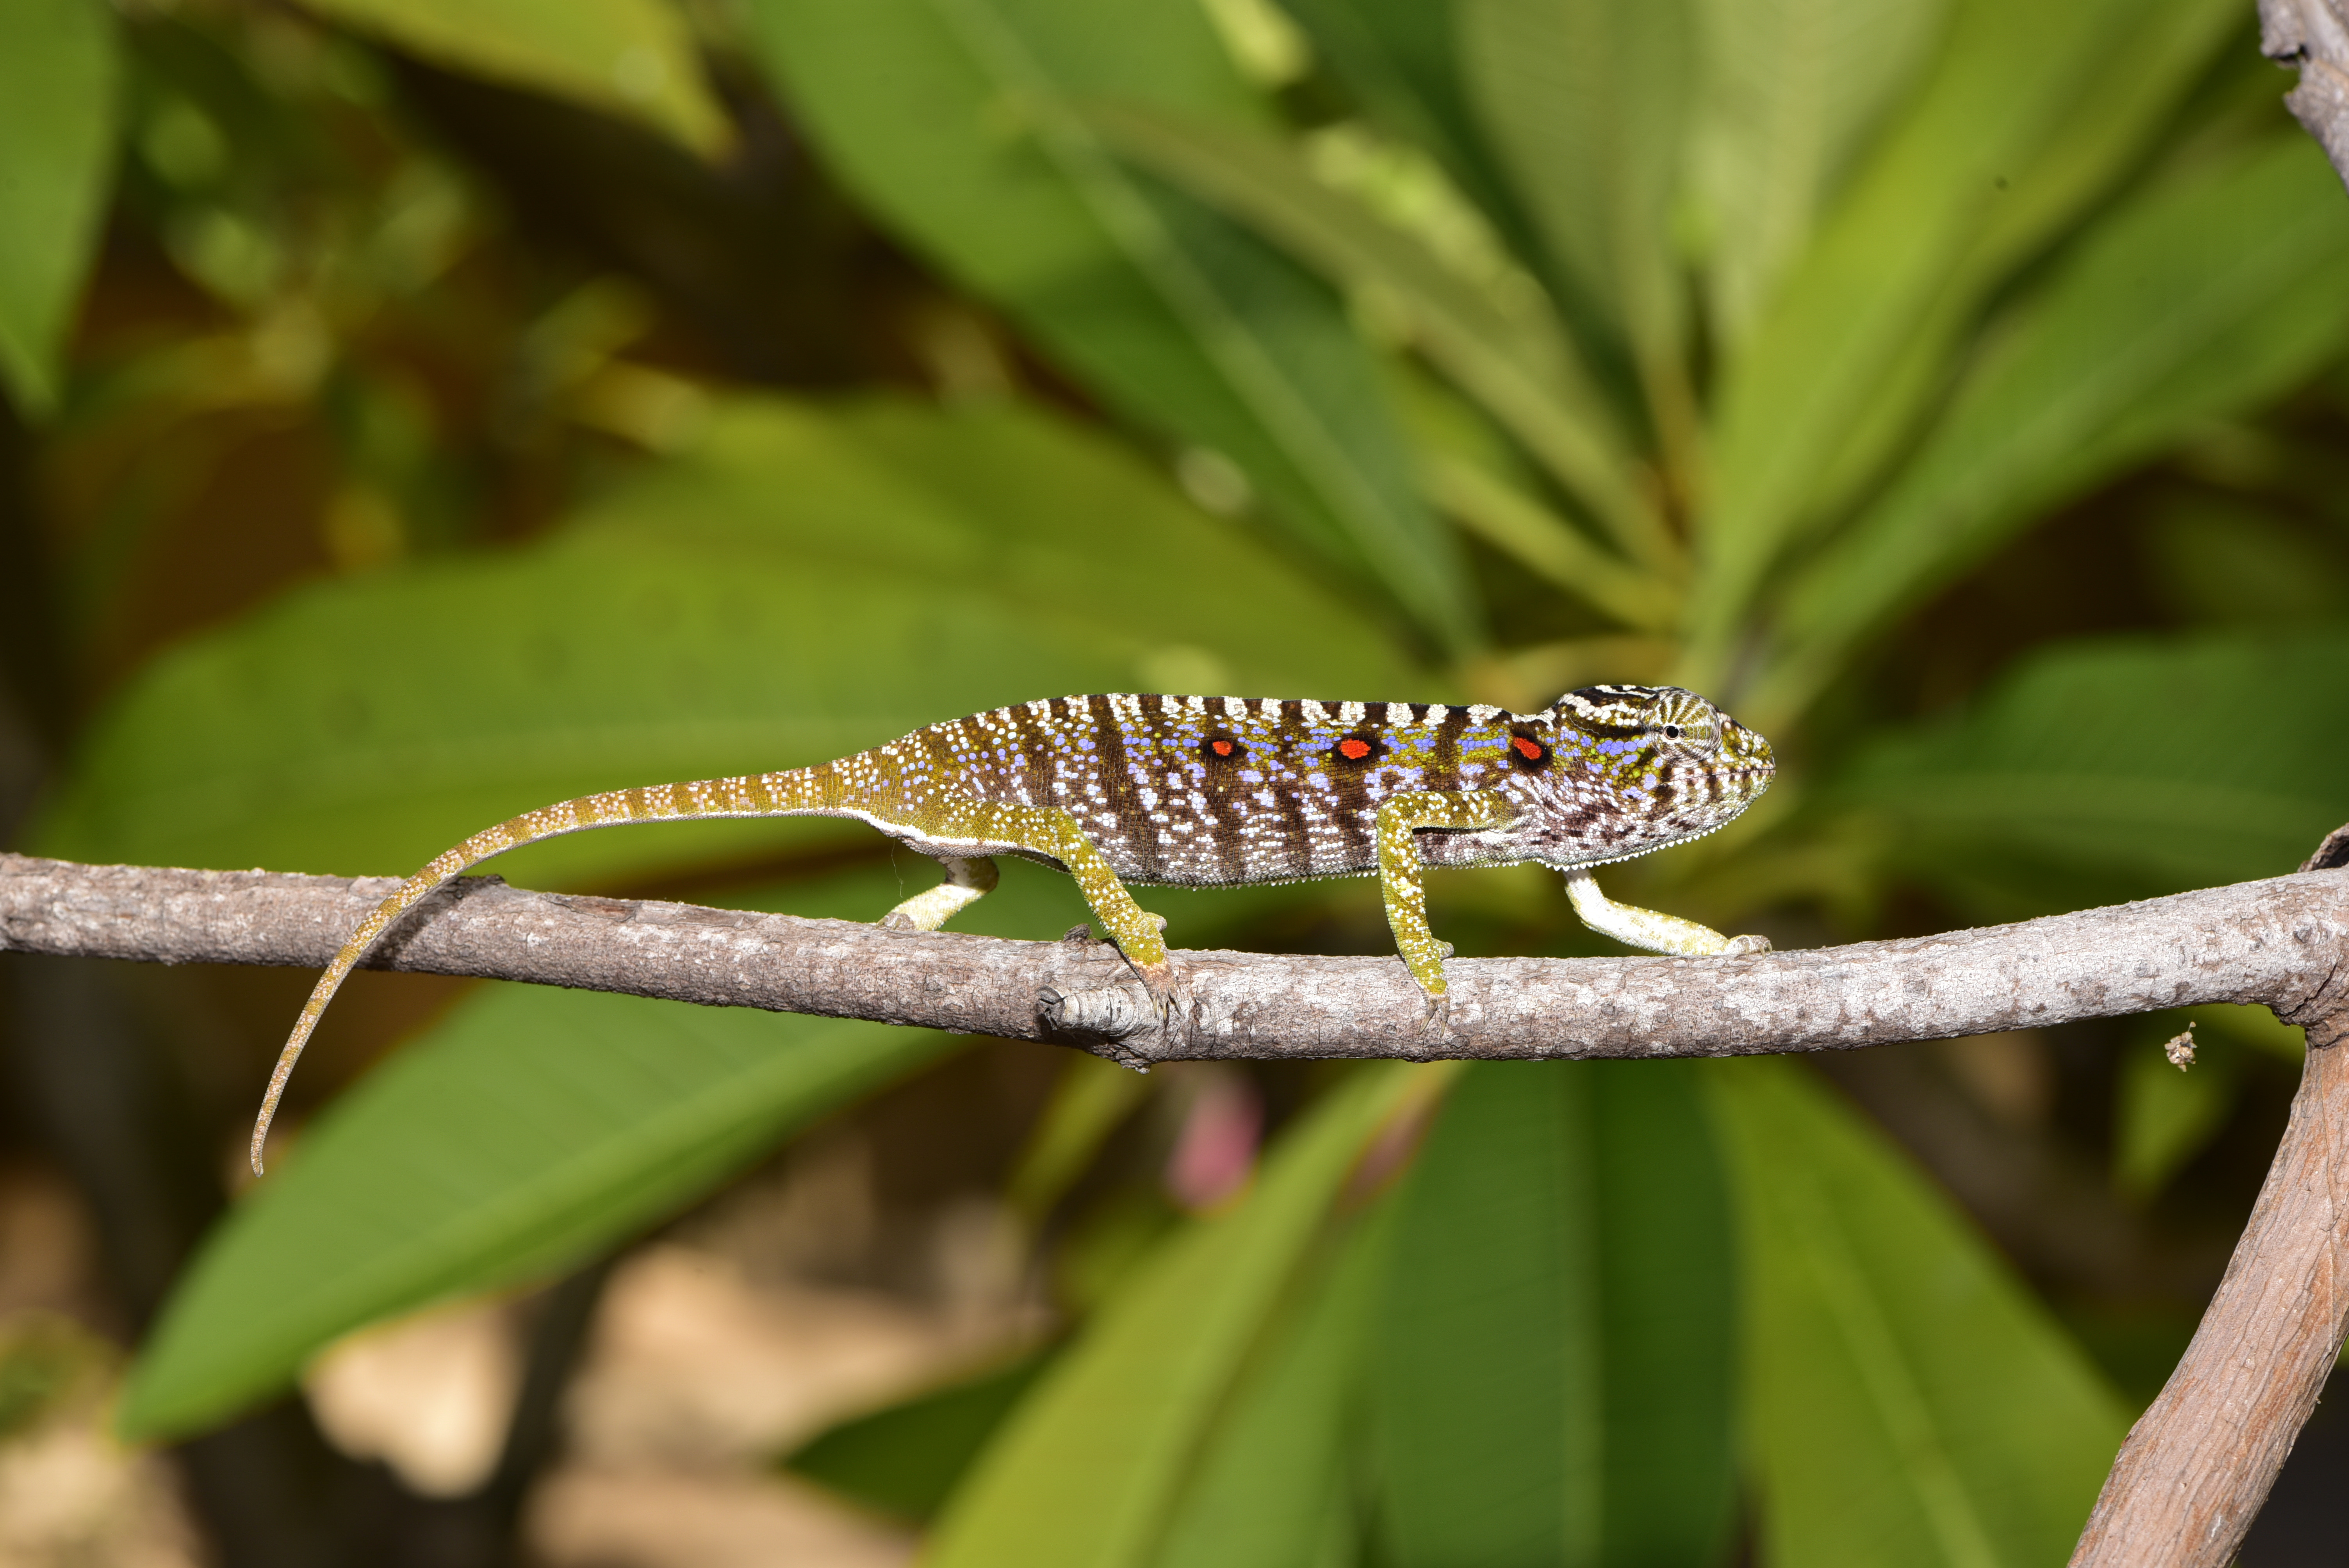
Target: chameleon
pixel 1224 792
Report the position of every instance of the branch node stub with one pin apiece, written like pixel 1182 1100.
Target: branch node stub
pixel 1104 1021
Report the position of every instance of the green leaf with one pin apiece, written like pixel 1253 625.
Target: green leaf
pixel 1512 358
pixel 1908 1400
pixel 58 83
pixel 1091 1464
pixel 1274 1487
pixel 906 1460
pixel 1399 60
pixel 2195 300
pixel 1552 1369
pixel 1586 101
pixel 1517 524
pixel 807 583
pixel 532 1129
pixel 2105 769
pixel 634 58
pixel 952 120
pixel 1092 1099
pixel 2029 112
pixel 1791 89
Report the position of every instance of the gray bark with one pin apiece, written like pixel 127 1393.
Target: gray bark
pixel 2276 941
pixel 2314 36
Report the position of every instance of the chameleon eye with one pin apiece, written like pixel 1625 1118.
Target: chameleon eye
pixel 1672 731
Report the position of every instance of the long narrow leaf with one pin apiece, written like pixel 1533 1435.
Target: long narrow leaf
pixel 1586 101
pixel 2089 773
pixel 1552 1367
pixel 1516 362
pixel 1991 158
pixel 952 118
pixel 532 1128
pixel 805 583
pixel 1094 1460
pixel 1517 524
pixel 1401 60
pixel 635 58
pixel 2194 302
pixel 58 83
pixel 1908 1401
pixel 1791 87
pixel 1273 1488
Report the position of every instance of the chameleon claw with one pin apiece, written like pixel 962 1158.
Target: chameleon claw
pixel 1741 945
pixel 1169 998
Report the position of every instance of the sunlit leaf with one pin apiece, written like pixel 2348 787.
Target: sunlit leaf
pixel 1401 60
pixel 1790 87
pixel 1552 1366
pixel 1514 361
pixel 906 1460
pixel 1908 1400
pixel 635 58
pixel 1587 102
pixel 953 120
pixel 1274 1488
pixel 532 1127
pixel 806 584
pixel 2027 115
pixel 2092 772
pixel 58 83
pixel 1090 1465
pixel 2196 302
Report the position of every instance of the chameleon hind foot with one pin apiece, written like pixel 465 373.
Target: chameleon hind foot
pixel 967 880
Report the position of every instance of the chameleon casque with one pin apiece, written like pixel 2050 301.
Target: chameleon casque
pixel 1196 792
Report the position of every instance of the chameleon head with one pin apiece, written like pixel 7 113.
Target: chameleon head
pixel 1644 767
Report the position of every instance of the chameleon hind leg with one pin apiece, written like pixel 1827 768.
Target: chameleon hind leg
pixel 1657 933
pixel 969 878
pixel 1052 832
pixel 1399 871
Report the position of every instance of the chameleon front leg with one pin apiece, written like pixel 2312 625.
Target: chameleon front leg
pixel 1398 870
pixel 1637 927
pixel 968 879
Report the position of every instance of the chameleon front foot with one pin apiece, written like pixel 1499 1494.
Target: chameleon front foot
pixel 1658 932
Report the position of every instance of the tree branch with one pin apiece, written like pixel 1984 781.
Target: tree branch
pixel 2194 1470
pixel 2198 1465
pixel 2278 941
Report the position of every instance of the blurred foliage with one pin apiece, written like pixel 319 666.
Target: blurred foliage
pixel 430 412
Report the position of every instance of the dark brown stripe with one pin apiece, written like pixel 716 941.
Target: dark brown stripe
pixel 1296 833
pixel 1138 844
pixel 1444 766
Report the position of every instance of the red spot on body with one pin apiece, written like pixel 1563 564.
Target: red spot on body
pixel 1353 748
pixel 1528 748
pixel 1220 748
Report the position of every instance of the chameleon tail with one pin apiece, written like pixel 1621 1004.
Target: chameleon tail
pixel 793 792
